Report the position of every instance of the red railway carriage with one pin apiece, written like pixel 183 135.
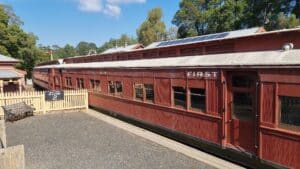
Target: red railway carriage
pixel 242 105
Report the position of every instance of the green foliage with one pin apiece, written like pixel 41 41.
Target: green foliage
pixel 171 34
pixel 152 29
pixel 199 17
pixel 84 48
pixel 15 42
pixel 285 22
pixel 122 41
pixel 66 51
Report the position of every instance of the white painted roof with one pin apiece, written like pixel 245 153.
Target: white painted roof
pixel 120 49
pixel 244 59
pixel 7 59
pixel 227 35
pixel 5 74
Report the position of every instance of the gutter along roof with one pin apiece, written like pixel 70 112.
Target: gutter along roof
pixel 278 58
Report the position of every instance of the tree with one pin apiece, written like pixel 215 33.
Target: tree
pixel 69 51
pixel 83 48
pixel 171 34
pixel 296 9
pixel 200 17
pixel 123 40
pixel 15 42
pixel 285 22
pixel 204 17
pixel 267 13
pixel 152 29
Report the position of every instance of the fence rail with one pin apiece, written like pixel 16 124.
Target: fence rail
pixel 73 99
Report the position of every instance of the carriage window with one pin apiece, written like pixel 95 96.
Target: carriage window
pixel 139 94
pixel 290 112
pixel 80 83
pixel 95 84
pixel 119 88
pixel 241 81
pixel 68 81
pixel 92 82
pixel 179 96
pixel 149 92
pixel 111 86
pixel 242 106
pixel 198 100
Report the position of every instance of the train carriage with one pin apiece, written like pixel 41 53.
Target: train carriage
pixel 242 104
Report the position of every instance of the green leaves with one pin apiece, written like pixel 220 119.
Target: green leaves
pixel 122 41
pixel 15 42
pixel 212 16
pixel 152 29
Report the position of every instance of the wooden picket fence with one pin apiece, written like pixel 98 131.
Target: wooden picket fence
pixel 73 99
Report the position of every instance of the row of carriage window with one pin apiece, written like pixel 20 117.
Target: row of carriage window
pixel 289 107
pixel 145 92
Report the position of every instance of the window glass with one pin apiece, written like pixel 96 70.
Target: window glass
pixel 290 110
pixel 242 106
pixel 70 81
pixel 66 81
pixel 138 88
pixel 149 92
pixel 97 85
pixel 82 83
pixel 92 82
pixel 111 86
pixel 198 99
pixel 119 87
pixel 241 81
pixel 179 94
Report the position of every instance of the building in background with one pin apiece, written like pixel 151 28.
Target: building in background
pixel 11 79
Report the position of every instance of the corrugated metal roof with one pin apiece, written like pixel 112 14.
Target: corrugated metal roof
pixel 121 49
pixel 7 59
pixel 259 58
pixel 7 74
pixel 206 38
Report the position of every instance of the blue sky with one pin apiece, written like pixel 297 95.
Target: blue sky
pixel 71 21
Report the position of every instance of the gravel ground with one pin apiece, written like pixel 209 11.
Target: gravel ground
pixel 78 141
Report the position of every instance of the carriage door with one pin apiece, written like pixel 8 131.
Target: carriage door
pixel 242 111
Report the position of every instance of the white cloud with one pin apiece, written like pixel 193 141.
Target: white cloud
pixel 112 10
pixel 125 1
pixel 90 5
pixel 107 7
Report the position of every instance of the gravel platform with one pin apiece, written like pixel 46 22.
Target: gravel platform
pixel 79 141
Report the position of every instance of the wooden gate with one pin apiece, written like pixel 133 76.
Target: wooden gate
pixel 73 99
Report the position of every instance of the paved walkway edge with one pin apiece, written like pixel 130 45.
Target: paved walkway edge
pixel 205 158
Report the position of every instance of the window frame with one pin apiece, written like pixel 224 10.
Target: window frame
pixel 280 124
pixel 111 83
pixel 142 89
pixel 173 97
pixel 145 93
pixel 204 110
pixel 94 85
pixel 80 83
pixel 116 88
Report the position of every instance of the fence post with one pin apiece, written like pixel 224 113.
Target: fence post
pixel 43 102
pixel 86 99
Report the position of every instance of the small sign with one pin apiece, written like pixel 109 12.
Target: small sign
pixel 54 95
pixel 205 75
